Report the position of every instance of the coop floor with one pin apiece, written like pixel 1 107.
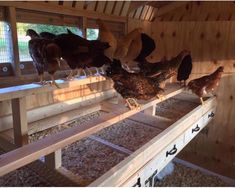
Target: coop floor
pixel 183 176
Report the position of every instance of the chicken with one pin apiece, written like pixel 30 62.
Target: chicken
pixel 206 84
pixel 147 47
pixel 140 48
pixel 132 86
pixel 47 35
pixel 163 70
pixel 79 52
pixel 46 56
pixel 185 69
pixel 105 35
pixel 32 34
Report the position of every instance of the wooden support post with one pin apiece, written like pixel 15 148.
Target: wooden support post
pixel 151 110
pixel 54 159
pixel 20 124
pixel 84 26
pixel 15 60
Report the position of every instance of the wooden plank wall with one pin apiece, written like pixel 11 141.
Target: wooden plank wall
pixel 212 44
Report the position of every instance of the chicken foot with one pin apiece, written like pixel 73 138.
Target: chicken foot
pixel 133 104
pixel 71 75
pixel 53 81
pixel 89 72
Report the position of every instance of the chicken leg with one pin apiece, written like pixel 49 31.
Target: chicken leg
pixel 42 81
pixel 133 104
pixel 53 81
pixel 201 99
pixel 78 73
pixel 70 76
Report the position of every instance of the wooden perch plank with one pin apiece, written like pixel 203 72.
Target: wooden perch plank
pixel 34 88
pixel 111 145
pixel 150 120
pixel 28 153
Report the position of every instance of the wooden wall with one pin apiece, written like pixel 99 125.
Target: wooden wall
pixel 212 44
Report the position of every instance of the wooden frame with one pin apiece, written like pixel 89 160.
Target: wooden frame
pixel 119 175
pixel 31 152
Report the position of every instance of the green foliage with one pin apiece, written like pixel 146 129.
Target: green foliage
pixel 22 28
pixel 92 34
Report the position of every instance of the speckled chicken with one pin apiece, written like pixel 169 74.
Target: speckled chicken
pixel 206 84
pixel 132 85
pixel 45 54
pixel 164 70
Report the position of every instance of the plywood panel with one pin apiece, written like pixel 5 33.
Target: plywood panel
pixel 202 11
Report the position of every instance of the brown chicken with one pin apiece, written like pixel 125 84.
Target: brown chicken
pixel 206 84
pixel 133 86
pixel 45 54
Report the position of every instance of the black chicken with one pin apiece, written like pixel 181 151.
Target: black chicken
pixel 45 54
pixel 32 34
pixel 80 53
pixel 132 85
pixel 185 69
pixel 147 47
pixel 181 65
pixel 47 35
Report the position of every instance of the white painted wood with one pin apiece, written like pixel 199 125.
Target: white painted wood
pixel 125 169
pixel 160 160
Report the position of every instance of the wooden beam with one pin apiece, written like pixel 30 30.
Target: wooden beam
pixel 134 5
pixel 84 27
pixel 170 7
pixel 34 88
pixel 50 8
pixel 20 124
pixel 28 153
pixel 111 145
pixel 11 18
pixel 46 113
pixel 62 118
pixel 54 160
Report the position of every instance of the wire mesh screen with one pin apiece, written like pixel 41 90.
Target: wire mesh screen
pixel 23 39
pixel 92 34
pixel 5 45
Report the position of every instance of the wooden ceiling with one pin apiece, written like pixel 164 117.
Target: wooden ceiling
pixel 143 10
